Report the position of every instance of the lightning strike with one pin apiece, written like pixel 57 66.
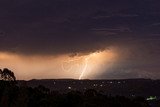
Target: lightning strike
pixel 84 69
pixel 86 65
pixel 86 58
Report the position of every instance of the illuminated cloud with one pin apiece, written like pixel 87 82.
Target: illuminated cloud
pixel 63 66
pixel 77 28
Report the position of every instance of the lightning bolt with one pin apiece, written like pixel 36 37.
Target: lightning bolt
pixel 86 60
pixel 84 69
pixel 86 65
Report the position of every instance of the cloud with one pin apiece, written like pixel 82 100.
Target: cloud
pixel 78 27
pixel 155 24
pixel 116 15
pixel 69 27
pixel 114 30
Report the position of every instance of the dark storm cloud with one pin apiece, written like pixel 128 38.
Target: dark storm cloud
pixel 83 26
pixel 67 26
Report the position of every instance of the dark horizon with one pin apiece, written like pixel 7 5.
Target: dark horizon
pixel 90 79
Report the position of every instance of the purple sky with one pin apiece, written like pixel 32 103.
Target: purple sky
pixel 80 27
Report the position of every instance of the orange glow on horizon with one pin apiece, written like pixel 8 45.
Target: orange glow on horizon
pixel 88 65
pixel 54 67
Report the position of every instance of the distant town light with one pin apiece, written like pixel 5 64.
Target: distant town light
pixel 69 88
pixel 151 98
pixel 94 85
pixel 133 95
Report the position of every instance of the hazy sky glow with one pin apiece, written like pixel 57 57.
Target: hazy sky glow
pixel 94 39
pixel 62 66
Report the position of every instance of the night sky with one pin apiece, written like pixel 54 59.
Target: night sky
pixel 107 39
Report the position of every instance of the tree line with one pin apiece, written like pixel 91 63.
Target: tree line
pixel 14 95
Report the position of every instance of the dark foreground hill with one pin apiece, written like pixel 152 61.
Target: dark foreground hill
pixel 80 93
pixel 125 87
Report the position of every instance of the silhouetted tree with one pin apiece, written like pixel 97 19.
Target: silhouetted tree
pixel 0 71
pixel 7 75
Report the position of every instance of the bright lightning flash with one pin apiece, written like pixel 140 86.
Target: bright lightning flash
pixel 88 63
